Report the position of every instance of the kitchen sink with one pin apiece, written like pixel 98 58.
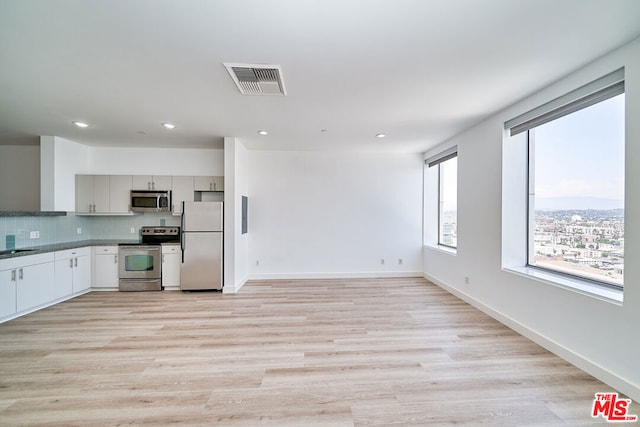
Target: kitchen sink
pixel 15 251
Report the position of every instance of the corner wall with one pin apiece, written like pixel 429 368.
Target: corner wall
pixel 60 161
pixel 235 186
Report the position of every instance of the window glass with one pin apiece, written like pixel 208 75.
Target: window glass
pixel 576 193
pixel 448 203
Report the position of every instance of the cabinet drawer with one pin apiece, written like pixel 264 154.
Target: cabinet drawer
pixel 72 253
pixel 105 250
pixel 170 249
pixel 23 261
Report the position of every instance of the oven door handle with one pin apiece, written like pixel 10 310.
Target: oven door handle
pixel 158 203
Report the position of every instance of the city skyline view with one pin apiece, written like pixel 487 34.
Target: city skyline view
pixel 577 193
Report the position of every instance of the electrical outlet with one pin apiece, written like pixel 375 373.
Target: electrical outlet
pixel 381 260
pixel 78 230
pixel 132 230
pixel 34 235
pixel 400 261
pixel 466 279
pixel 257 263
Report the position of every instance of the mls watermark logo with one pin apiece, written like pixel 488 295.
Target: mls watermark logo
pixel 612 408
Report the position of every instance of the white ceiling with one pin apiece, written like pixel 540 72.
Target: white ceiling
pixel 419 71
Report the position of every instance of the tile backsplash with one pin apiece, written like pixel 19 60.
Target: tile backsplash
pixel 71 227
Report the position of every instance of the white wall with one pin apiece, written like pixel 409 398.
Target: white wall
pixel 19 178
pixel 600 337
pixel 60 161
pixel 334 214
pixel 158 161
pixel 235 243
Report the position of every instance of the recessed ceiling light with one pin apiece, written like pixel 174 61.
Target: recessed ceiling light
pixel 380 135
pixel 81 124
pixel 263 132
pixel 168 125
pixel 323 130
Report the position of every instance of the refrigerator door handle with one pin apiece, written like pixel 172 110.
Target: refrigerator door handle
pixel 182 242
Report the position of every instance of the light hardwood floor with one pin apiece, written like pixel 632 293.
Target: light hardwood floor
pixel 318 352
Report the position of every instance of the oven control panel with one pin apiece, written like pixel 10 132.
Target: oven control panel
pixel 159 234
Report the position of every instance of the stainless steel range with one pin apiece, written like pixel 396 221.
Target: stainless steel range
pixel 140 264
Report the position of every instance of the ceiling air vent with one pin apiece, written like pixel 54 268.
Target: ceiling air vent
pixel 257 79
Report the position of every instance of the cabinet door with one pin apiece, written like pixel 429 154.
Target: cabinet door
pixel 203 183
pixel 141 182
pixel 161 182
pixel 218 183
pixel 84 193
pixel 63 278
pixel 182 191
pixel 8 292
pixel 35 285
pixel 171 269
pixel 81 273
pixel 101 193
pixel 119 193
pixel 105 270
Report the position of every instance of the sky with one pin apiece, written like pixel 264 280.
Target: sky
pixel 450 190
pixel 582 155
pixel 579 161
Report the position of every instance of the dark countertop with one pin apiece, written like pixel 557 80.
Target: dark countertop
pixel 34 250
pixel 31 213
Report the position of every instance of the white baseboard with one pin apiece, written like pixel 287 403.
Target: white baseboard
pixel 343 275
pixel 599 372
pixel 226 289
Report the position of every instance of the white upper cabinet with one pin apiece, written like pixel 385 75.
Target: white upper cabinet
pixel 209 183
pixel 92 193
pixel 103 194
pixel 182 191
pixel 111 194
pixel 151 182
pixel 119 193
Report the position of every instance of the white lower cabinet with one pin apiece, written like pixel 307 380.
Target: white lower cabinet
pixel 34 286
pixel 171 262
pixel 72 272
pixel 105 267
pixel 8 279
pixel 31 282
pixel 25 283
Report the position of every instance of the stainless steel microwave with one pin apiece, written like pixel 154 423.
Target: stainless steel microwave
pixel 150 201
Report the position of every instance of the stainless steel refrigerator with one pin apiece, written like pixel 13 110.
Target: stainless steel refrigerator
pixel 201 242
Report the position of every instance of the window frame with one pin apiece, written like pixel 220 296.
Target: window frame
pixel 599 90
pixel 438 160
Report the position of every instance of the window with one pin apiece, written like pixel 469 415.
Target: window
pixel 575 223
pixel 446 165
